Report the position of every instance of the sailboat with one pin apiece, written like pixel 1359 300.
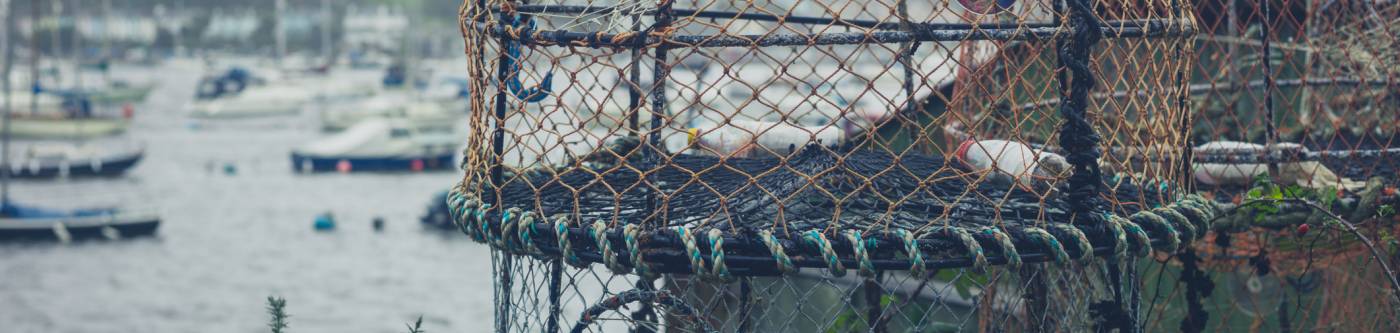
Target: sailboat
pixel 20 221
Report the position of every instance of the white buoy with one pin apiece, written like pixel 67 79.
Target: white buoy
pixel 745 138
pixel 1310 174
pixel 1011 162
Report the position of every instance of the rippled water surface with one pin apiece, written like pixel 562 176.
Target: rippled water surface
pixel 227 241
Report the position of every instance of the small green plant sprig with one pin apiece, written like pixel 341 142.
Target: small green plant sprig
pixel 277 307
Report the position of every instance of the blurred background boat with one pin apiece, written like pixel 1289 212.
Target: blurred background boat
pixel 381 144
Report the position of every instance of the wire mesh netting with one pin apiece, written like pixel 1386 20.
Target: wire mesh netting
pixel 720 165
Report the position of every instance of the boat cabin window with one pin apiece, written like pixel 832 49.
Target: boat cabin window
pixel 399 133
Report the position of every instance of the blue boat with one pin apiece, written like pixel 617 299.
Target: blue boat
pixel 73 163
pixel 380 145
pixel 20 222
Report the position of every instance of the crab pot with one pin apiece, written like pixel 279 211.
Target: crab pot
pixel 816 165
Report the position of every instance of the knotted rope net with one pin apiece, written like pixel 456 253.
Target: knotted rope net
pixel 818 165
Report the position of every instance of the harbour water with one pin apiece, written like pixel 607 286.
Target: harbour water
pixel 231 238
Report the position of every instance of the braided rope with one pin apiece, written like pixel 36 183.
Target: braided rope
pixel 1141 243
pixel 483 235
pixel 697 262
pixel 631 234
pixel 600 236
pixel 1077 135
pixel 833 263
pixel 864 267
pixel 1157 223
pixel 525 226
pixel 776 250
pixel 1079 241
pixel 561 233
pixel 718 269
pixel 1051 244
pixel 1182 224
pixel 1115 230
pixel 1008 249
pixel 979 257
pixel 502 235
pixel 911 249
pixel 1193 214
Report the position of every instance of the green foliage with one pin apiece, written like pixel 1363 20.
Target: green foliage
pixel 1266 197
pixel 277 307
pixel 1385 211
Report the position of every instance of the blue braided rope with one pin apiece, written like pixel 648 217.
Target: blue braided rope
pixel 833 263
pixel 697 262
pixel 775 249
pixel 719 270
pixel 917 266
pixel 1079 241
pixel 1182 224
pixel 1155 222
pixel 512 62
pixel 631 234
pixel 864 267
pixel 483 236
pixel 600 237
pixel 566 250
pixel 1008 249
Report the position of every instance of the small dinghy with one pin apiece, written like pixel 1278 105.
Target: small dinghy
pixel 378 144
pixel 58 160
pixel 34 223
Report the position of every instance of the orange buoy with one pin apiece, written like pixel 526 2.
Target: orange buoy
pixel 343 166
pixel 416 165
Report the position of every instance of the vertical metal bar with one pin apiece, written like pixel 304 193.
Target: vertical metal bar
pixel 873 294
pixel 5 128
pixel 498 158
pixel 634 93
pixel 745 304
pixel 556 276
pixel 906 54
pixel 664 15
pixel 1271 135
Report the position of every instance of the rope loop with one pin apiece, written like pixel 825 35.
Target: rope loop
pixel 525 227
pixel 600 236
pixel 917 266
pixel 566 250
pixel 632 234
pixel 1114 225
pixel 864 267
pixel 1140 243
pixel 697 262
pixel 1155 222
pixel 718 270
pixel 1180 222
pixel 1007 248
pixel 833 262
pixel 500 236
pixel 1049 242
pixel 1076 239
pixel 775 248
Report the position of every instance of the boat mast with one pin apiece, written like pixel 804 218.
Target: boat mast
pixel 277 34
pixel 326 33
pixel 5 120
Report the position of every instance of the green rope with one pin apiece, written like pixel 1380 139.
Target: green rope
pixel 697 263
pixel 480 222
pixel 1156 223
pixel 1078 239
pixel 719 271
pixel 833 263
pixel 864 267
pixel 775 248
pixel 631 235
pixel 1183 224
pixel 1051 244
pixel 1141 243
pixel 600 236
pixel 911 249
pixel 1008 249
pixel 507 229
pixel 1114 225
pixel 525 226
pixel 561 233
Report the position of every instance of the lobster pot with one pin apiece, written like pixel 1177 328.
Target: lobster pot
pixel 818 165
